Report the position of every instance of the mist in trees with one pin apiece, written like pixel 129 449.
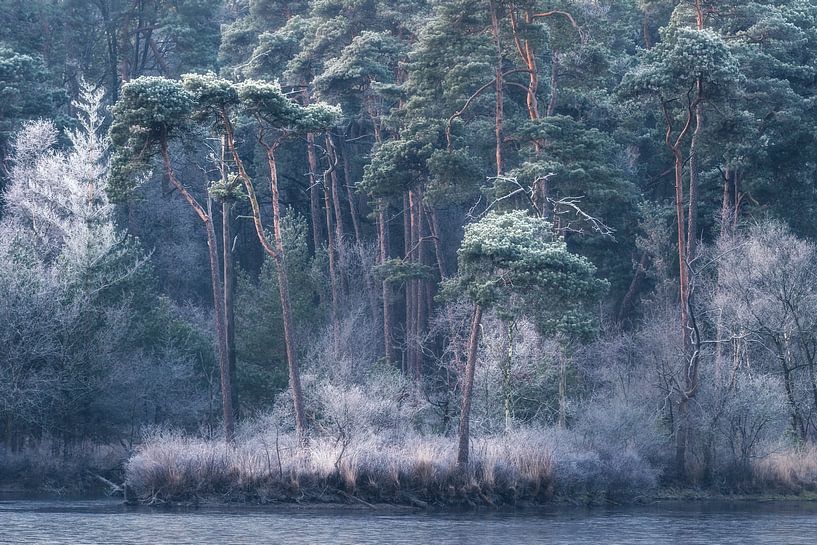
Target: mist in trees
pixel 378 240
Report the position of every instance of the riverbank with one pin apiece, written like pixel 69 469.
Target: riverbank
pixel 525 468
pixel 518 470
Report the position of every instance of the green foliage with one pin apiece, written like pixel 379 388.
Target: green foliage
pixel 212 95
pixel 512 261
pixel 395 167
pixel 259 325
pixel 268 102
pixel 25 91
pixel 398 271
pixel 684 56
pixel 229 190
pixel 149 111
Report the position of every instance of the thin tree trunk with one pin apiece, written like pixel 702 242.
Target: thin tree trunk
pixel 413 295
pixel 314 193
pixel 468 389
pixel 331 251
pixel 276 251
pixel 628 302
pixel 434 227
pixel 229 282
pixel 692 218
pixel 347 178
pixel 229 290
pixel 500 85
pixel 554 84
pixel 224 362
pixel 409 284
pixel 508 340
pixel 423 287
pixel 645 29
pixel 340 234
pixel 383 239
pixel 726 203
pixel 286 305
pixel 215 281
pixel 562 388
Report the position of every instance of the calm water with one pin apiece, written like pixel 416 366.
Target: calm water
pixel 26 521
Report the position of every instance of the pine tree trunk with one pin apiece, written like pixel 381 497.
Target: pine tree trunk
pixel 347 178
pixel 331 251
pixel 500 85
pixel 409 284
pixel 229 290
pixel 383 240
pixel 314 193
pixel 279 259
pixel 468 389
pixel 206 217
pixel 340 234
pixel 218 307
pixel 276 252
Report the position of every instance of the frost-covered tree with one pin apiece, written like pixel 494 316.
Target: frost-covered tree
pixel 78 303
pixel 149 113
pixel 514 263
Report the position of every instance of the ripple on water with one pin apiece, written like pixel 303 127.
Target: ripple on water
pixel 78 522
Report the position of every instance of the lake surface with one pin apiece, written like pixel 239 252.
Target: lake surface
pixel 107 521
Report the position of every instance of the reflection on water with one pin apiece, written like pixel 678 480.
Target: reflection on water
pixel 106 521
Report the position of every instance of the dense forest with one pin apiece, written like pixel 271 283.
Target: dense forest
pixel 472 251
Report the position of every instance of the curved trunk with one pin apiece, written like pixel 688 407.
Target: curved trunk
pixel 206 217
pixel 276 251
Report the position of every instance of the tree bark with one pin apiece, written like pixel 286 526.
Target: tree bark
pixel 229 290
pixel 276 252
pixel 286 305
pixel 383 240
pixel 408 285
pixel 628 302
pixel 347 178
pixel 314 193
pixel 692 216
pixel 500 85
pixel 331 251
pixel 215 281
pixel 468 388
pixel 340 234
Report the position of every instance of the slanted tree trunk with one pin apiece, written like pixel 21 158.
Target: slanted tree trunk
pixel 286 305
pixel 276 251
pixel 215 281
pixel 468 388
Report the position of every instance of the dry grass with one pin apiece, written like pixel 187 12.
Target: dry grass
pixel 504 469
pixel 526 466
pixel 792 470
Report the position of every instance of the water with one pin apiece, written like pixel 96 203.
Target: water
pixel 106 521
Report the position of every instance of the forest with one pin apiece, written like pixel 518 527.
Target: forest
pixel 472 252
